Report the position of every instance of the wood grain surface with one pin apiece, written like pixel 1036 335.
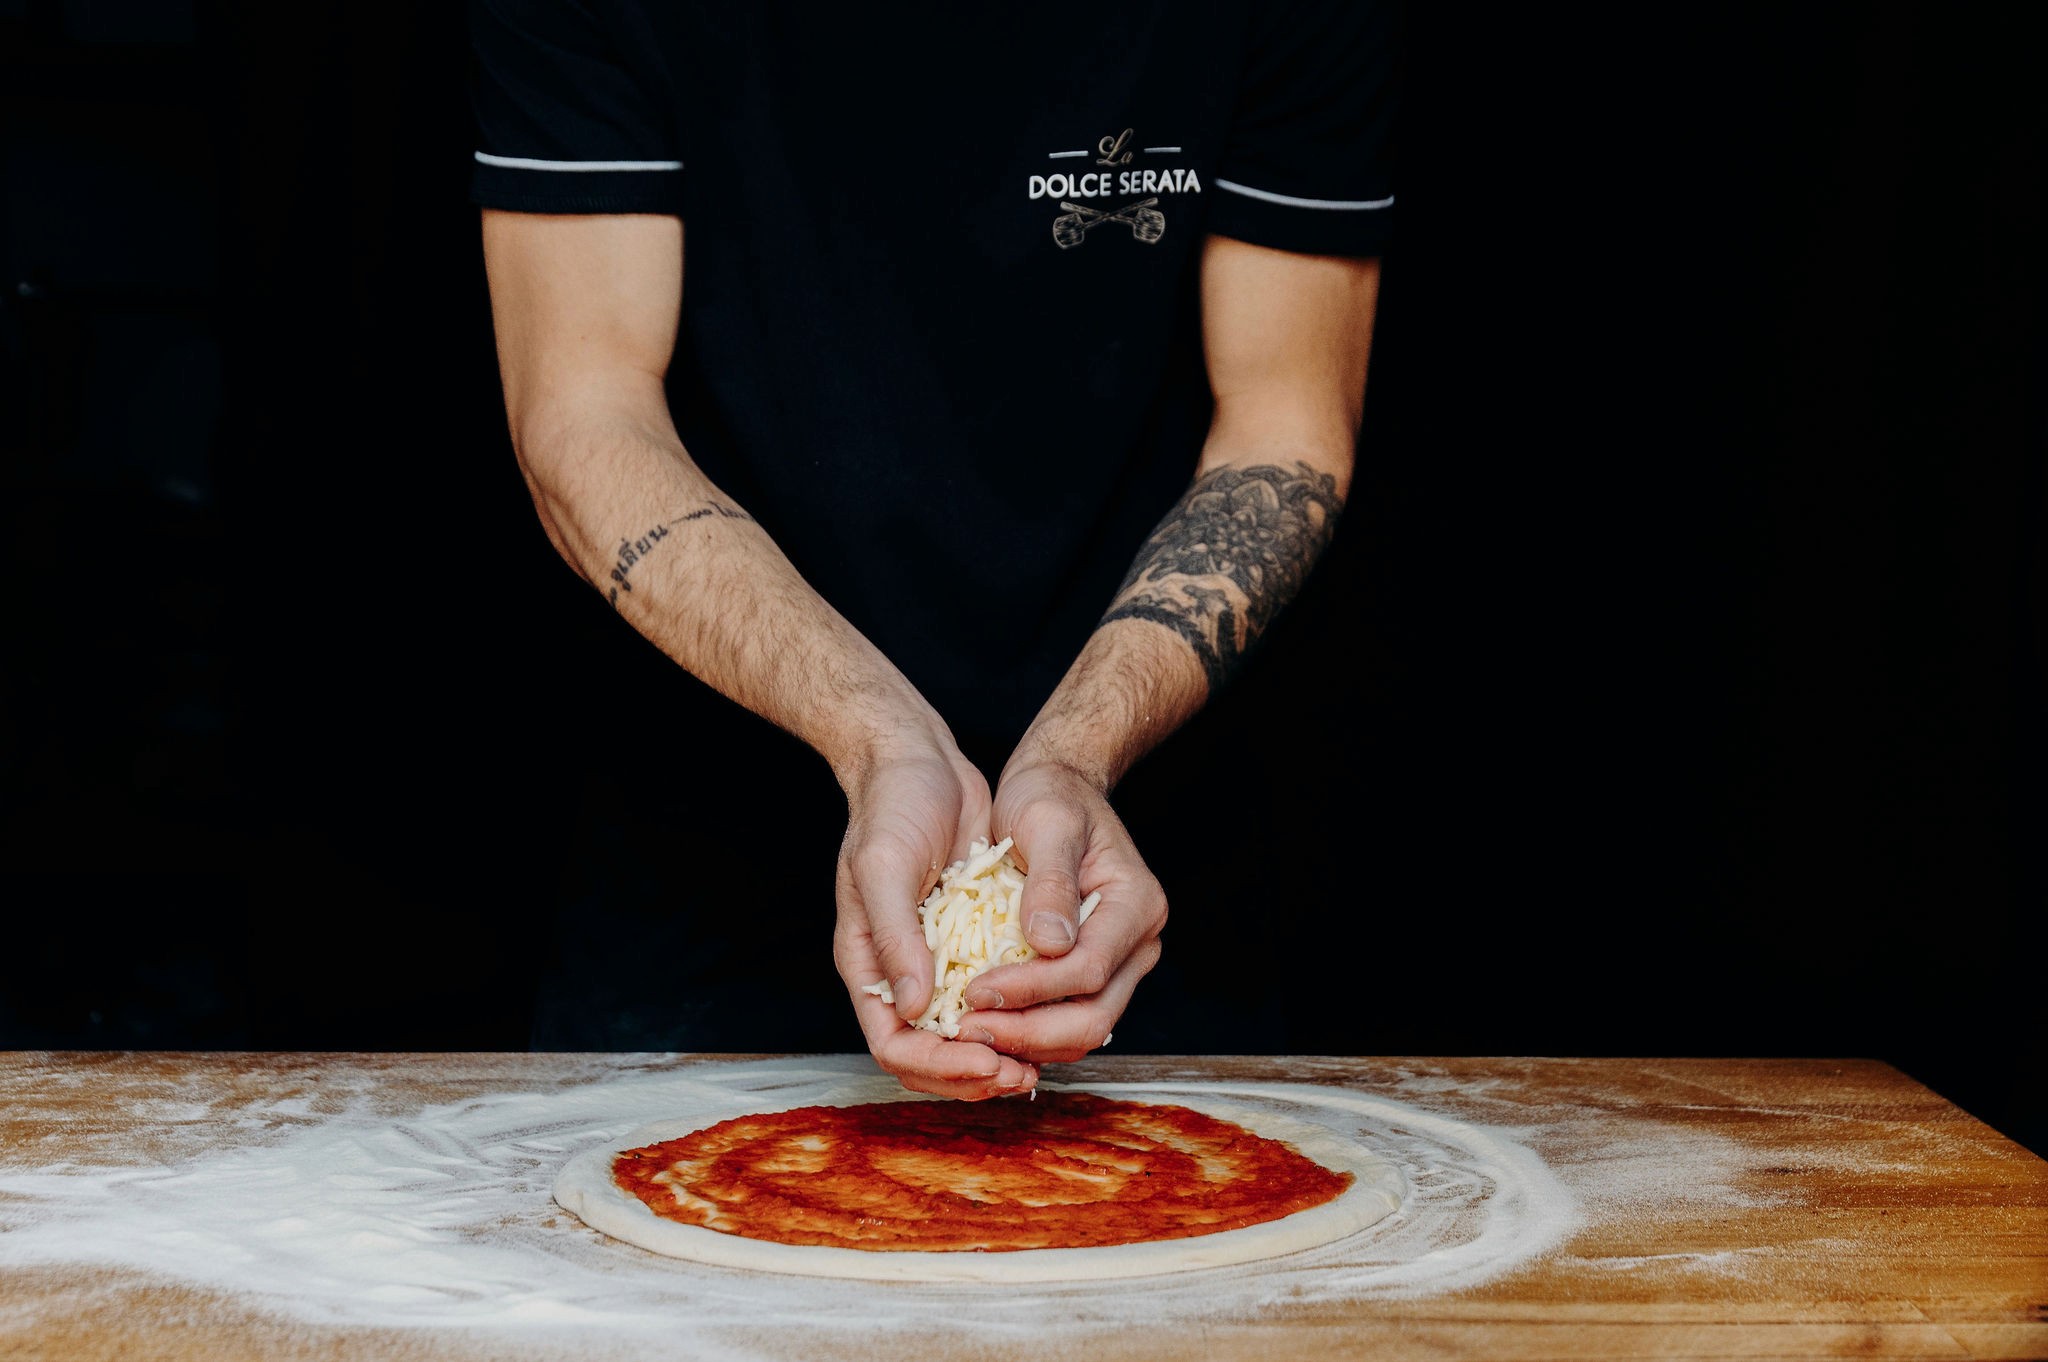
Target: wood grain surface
pixel 1865 1216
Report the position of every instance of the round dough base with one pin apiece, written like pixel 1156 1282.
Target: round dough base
pixel 586 1189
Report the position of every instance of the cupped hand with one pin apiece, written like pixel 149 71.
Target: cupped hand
pixel 913 812
pixel 1072 844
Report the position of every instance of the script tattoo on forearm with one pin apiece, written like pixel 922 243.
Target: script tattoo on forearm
pixel 1229 554
pixel 632 552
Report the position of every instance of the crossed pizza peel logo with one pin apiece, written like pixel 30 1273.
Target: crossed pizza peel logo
pixel 1071 228
pixel 1146 222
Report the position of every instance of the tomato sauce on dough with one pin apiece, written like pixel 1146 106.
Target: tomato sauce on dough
pixel 1070 1170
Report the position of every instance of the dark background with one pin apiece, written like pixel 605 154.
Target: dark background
pixel 1675 686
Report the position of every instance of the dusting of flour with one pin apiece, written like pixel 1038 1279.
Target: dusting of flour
pixel 352 1214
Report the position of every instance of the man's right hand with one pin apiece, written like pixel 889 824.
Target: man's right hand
pixel 586 308
pixel 912 811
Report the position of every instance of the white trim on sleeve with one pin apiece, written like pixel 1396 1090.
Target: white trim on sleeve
pixel 529 163
pixel 1341 205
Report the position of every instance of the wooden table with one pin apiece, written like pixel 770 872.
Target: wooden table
pixel 1852 1213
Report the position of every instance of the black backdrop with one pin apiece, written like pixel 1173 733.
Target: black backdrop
pixel 1675 685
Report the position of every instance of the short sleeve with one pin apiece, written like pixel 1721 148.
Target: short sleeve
pixel 568 120
pixel 1308 163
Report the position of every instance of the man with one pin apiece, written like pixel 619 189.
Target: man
pixel 939 276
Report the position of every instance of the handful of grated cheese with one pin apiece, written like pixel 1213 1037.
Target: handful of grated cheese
pixel 971 924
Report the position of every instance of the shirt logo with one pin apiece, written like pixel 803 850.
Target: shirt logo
pixel 1144 217
pixel 1070 228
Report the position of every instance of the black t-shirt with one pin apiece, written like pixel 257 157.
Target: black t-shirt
pixel 939 330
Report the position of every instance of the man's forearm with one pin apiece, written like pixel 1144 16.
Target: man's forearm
pixel 1210 579
pixel 1286 338
pixel 689 568
pixel 1232 551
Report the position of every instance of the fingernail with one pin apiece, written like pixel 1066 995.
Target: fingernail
pixel 981 1035
pixel 1052 927
pixel 985 997
pixel 904 989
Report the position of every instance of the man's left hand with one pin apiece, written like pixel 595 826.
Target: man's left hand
pixel 1071 844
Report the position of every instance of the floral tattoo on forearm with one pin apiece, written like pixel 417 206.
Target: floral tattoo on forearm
pixel 1229 554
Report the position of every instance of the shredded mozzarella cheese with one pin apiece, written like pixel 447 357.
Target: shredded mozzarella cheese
pixel 971 925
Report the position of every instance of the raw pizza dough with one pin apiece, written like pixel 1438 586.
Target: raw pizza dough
pixel 585 1188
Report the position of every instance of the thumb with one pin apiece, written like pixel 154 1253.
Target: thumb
pixel 1050 840
pixel 887 879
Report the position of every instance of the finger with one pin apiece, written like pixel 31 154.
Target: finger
pixel 926 1055
pixel 1051 837
pixel 1130 912
pixel 920 1053
pixel 926 1061
pixel 886 875
pixel 1058 1033
pixel 1016 1078
pixel 974 816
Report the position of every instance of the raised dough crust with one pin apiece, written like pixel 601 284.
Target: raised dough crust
pixel 585 1187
